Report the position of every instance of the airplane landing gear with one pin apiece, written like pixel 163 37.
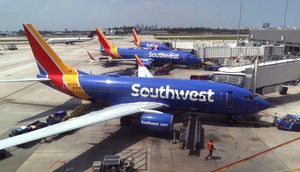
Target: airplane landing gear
pixel 124 121
pixel 230 120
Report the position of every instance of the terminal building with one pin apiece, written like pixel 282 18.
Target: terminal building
pixel 268 62
pixel 290 38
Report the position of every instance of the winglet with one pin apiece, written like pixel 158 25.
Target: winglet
pixel 136 38
pixel 142 70
pixel 91 57
pixel 139 61
pixel 109 49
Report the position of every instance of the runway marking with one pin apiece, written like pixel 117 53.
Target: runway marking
pixel 253 156
pixel 25 61
pixel 17 91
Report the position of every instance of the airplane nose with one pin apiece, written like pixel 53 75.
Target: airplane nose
pixel 262 104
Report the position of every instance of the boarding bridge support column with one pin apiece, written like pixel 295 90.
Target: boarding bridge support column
pixel 254 75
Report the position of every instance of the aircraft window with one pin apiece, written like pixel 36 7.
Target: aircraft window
pixel 250 97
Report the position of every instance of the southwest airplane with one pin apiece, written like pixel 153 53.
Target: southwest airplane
pixel 148 57
pixel 146 44
pixel 70 40
pixel 125 97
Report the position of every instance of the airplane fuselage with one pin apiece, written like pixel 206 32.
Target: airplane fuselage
pixel 67 40
pixel 158 56
pixel 202 96
pixel 158 46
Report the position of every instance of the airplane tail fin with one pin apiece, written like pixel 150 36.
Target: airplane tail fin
pixel 91 35
pixel 136 38
pixel 103 40
pixel 109 49
pixel 47 60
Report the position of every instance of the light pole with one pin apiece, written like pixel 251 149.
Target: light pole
pixel 286 5
pixel 238 34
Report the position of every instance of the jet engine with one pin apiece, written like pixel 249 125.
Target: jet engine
pixel 156 122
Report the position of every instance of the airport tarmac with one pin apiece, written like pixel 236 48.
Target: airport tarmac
pixel 238 147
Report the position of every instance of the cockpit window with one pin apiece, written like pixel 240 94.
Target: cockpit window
pixel 246 97
pixel 250 97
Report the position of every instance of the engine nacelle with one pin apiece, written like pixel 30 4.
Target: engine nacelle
pixel 156 122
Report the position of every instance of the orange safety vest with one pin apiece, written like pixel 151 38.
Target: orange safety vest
pixel 210 146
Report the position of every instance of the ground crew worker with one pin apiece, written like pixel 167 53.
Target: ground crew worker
pixel 210 147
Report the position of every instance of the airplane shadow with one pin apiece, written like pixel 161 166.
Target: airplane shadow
pixel 71 104
pixel 116 142
pixel 283 99
pixel 215 158
pixel 221 120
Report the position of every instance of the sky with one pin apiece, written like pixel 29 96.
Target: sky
pixel 55 15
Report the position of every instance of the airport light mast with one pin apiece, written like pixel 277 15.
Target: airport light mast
pixel 286 5
pixel 238 34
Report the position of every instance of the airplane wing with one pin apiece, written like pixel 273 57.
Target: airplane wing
pixel 108 59
pixel 102 115
pixel 121 60
pixel 28 80
pixel 142 70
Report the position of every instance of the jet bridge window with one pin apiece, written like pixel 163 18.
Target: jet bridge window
pixel 229 78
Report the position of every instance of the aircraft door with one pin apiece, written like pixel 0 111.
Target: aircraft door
pixel 184 58
pixel 65 89
pixel 229 100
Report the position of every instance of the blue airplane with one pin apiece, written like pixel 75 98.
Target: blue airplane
pixel 143 98
pixel 147 44
pixel 148 57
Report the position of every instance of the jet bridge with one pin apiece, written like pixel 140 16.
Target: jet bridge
pixel 264 78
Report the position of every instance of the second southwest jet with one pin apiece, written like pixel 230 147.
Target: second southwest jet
pixel 148 57
pixel 127 96
pixel 147 44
